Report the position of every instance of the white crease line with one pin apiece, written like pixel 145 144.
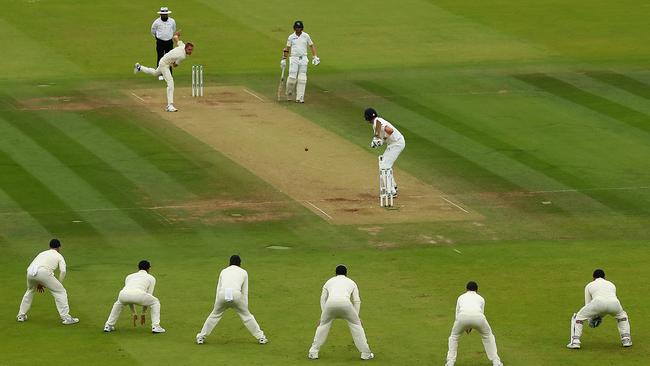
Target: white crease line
pixel 324 213
pixel 135 95
pixel 462 209
pixel 253 94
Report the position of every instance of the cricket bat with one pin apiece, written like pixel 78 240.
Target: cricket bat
pixel 281 86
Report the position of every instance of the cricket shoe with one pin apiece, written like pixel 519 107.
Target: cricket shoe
pixel 70 320
pixel 21 318
pixel 450 363
pixel 313 356
pixel 263 340
pixel 367 356
pixel 200 339
pixel 497 363
pixel 573 345
pixel 161 78
pixel 170 108
pixel 108 328
pixel 157 329
pixel 627 342
pixel 136 68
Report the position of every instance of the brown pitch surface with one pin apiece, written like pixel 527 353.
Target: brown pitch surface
pixel 334 178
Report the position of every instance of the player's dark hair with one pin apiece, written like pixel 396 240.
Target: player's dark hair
pixel 341 270
pixel 189 44
pixel 55 243
pixel 144 265
pixel 472 286
pixel 235 260
pixel 599 273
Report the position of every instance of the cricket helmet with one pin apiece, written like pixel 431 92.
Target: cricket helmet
pixel 369 114
pixel 298 24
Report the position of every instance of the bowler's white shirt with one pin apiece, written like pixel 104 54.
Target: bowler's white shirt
pixel 340 287
pixel 233 277
pixel 49 260
pixel 140 281
pixel 599 288
pixel 470 303
pixel 299 44
pixel 163 30
pixel 174 56
pixel 395 138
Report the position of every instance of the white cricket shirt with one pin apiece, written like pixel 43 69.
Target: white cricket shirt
pixel 395 138
pixel 599 288
pixel 340 287
pixel 233 277
pixel 49 260
pixel 140 281
pixel 174 56
pixel 299 44
pixel 470 303
pixel 163 30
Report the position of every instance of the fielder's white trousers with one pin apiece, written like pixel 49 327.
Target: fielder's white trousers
pixel 47 279
pixel 142 298
pixel 163 70
pixel 240 306
pixel 340 309
pixel 389 157
pixel 600 307
pixel 478 322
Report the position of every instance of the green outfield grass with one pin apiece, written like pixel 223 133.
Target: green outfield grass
pixel 534 114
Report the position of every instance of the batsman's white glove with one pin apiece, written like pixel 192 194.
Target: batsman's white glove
pixel 376 142
pixel 595 322
pixel 315 61
pixel 283 63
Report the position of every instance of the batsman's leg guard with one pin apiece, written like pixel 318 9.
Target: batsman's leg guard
pixel 291 86
pixel 300 88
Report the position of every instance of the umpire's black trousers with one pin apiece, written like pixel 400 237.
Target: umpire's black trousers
pixel 162 47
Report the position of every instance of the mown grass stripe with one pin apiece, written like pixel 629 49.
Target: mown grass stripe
pixel 609 199
pixel 152 148
pixel 622 81
pixel 423 154
pixel 611 109
pixel 36 198
pixel 116 188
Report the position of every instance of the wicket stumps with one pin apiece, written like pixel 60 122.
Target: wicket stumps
pixel 385 186
pixel 197 80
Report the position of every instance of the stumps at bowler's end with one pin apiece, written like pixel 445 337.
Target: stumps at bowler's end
pixel 197 80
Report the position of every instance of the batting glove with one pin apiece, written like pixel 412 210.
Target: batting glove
pixel 283 63
pixel 315 61
pixel 376 142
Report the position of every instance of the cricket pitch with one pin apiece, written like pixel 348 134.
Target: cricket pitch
pixel 329 175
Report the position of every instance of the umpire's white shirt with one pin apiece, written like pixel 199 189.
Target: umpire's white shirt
pixel 340 288
pixel 163 30
pixel 140 281
pixel 470 303
pixel 599 288
pixel 48 260
pixel 174 56
pixel 299 44
pixel 234 278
